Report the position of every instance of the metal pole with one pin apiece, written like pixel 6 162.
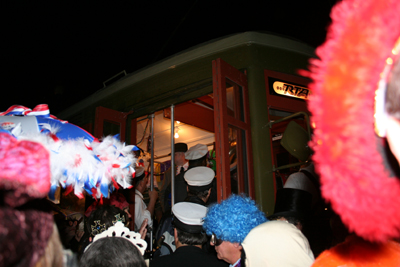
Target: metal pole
pixel 152 172
pixel 172 155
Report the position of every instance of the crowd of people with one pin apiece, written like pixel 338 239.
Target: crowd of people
pixel 197 230
pixel 191 228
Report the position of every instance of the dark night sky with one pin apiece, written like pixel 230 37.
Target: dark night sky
pixel 58 52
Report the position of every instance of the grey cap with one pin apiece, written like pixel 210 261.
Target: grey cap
pixel 196 152
pixel 199 176
pixel 189 216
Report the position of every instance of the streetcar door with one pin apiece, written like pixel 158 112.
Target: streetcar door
pixel 232 131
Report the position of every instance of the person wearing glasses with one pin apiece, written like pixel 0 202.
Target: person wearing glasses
pixel 189 238
pixel 229 223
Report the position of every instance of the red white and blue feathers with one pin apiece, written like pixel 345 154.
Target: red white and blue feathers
pixel 79 162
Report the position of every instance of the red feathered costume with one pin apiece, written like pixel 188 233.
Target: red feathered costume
pixel 352 170
pixel 346 76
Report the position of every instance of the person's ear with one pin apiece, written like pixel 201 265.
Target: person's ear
pixel 237 245
pixel 393 136
pixel 209 192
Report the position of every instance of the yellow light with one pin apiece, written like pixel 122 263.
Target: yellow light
pixel 176 135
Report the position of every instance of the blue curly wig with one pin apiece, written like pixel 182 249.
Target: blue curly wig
pixel 233 219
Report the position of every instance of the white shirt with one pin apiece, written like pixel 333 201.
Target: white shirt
pixel 233 265
pixel 141 211
pixel 185 167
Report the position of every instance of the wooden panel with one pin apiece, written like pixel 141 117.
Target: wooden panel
pixel 223 73
pixel 194 115
pixel 110 115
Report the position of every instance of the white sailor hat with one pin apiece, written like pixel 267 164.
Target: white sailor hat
pixel 196 152
pixel 189 216
pixel 199 176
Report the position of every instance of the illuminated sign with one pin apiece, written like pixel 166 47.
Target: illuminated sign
pixel 288 89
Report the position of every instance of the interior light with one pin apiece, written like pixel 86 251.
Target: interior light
pixel 176 135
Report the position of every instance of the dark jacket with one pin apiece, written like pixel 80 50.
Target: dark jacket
pixel 188 256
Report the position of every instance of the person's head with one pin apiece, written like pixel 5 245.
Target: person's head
pixel 277 243
pixel 28 236
pixel 190 239
pixel 104 217
pixel 229 223
pixel 179 155
pixel 197 155
pixel 118 200
pixel 200 181
pixel 188 221
pixel 112 251
pixel 141 179
pixel 292 205
pixel 349 154
pixel 117 246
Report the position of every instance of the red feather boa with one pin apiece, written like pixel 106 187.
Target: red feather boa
pixel 345 78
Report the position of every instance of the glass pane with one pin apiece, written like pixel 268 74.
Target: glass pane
pixel 230 99
pixel 235 185
pixel 238 160
pixel 110 128
pixel 234 100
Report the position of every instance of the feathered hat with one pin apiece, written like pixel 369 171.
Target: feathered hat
pixel 354 175
pixel 79 162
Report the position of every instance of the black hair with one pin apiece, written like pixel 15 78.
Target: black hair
pixel 198 162
pixel 200 194
pixel 140 178
pixel 392 103
pixel 112 251
pixel 191 239
pixel 242 258
pixel 104 217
